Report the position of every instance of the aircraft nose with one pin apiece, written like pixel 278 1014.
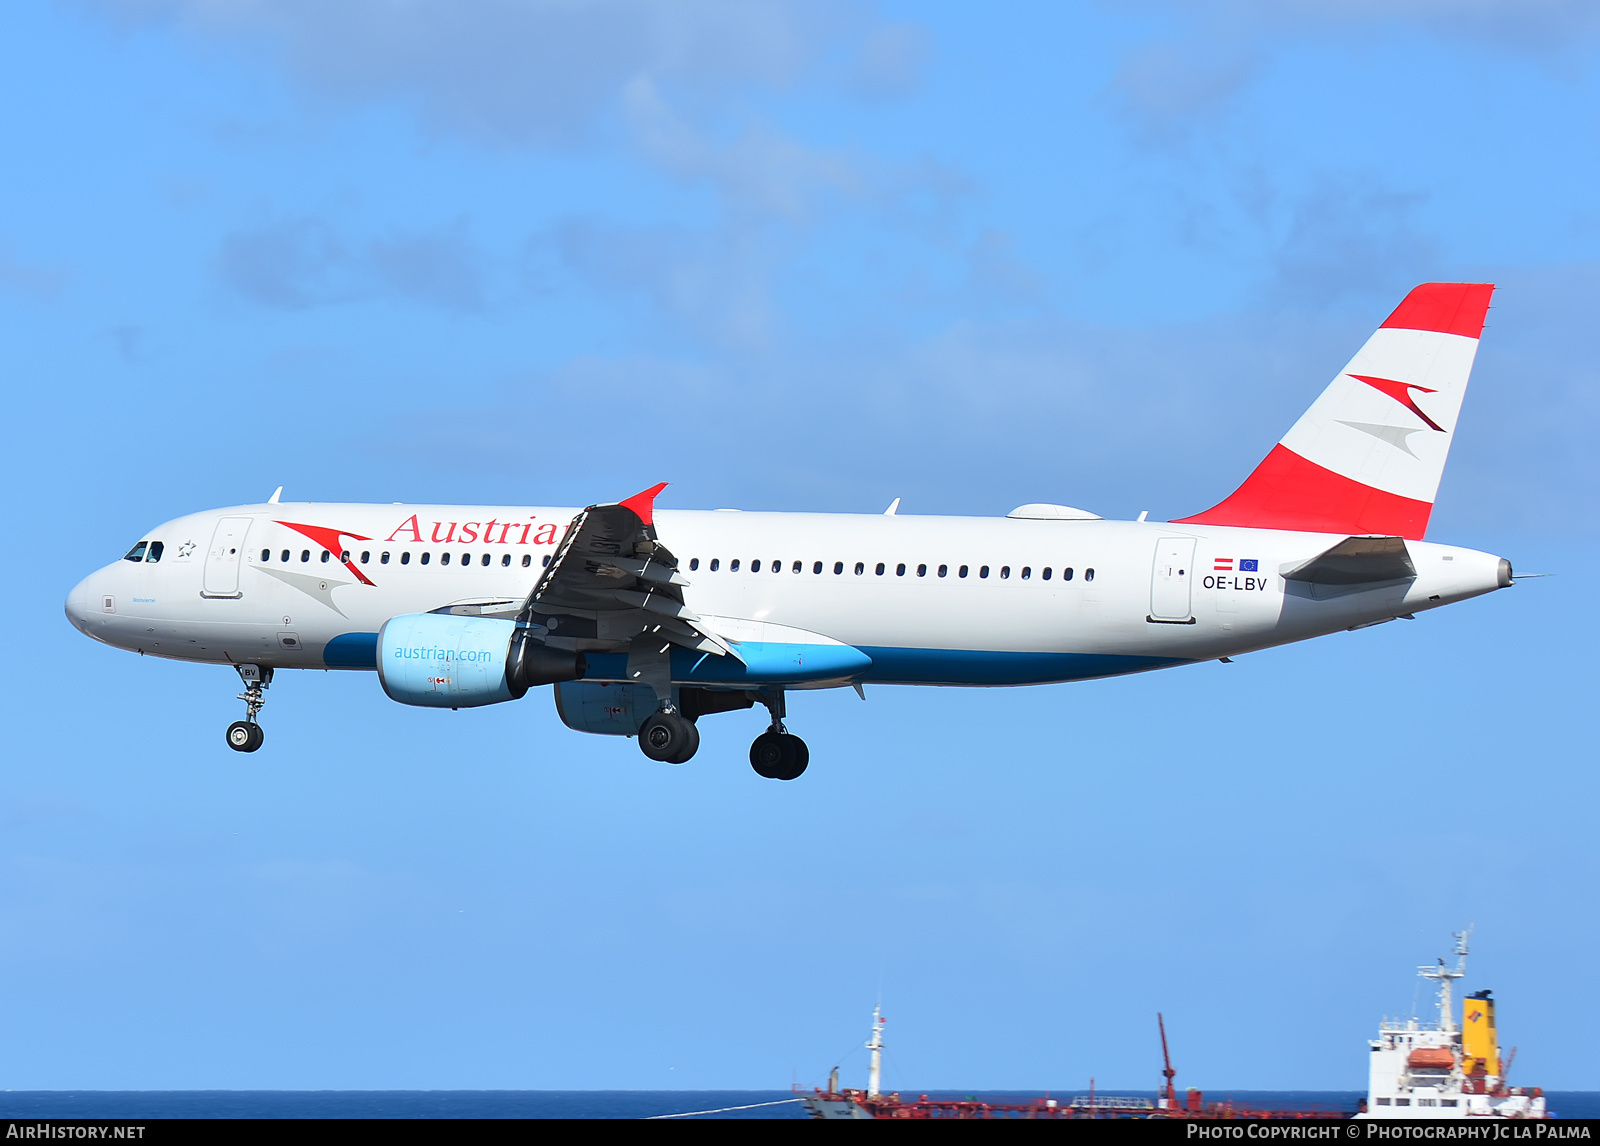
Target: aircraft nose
pixel 81 603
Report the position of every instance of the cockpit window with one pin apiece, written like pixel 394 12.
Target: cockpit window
pixel 155 552
pixel 137 552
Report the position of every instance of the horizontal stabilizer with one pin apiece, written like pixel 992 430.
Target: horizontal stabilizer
pixel 1357 561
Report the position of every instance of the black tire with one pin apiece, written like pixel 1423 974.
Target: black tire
pixel 260 737
pixel 244 736
pixel 691 742
pixel 665 735
pixel 795 758
pixel 767 753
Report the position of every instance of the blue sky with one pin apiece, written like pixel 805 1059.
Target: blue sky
pixel 786 256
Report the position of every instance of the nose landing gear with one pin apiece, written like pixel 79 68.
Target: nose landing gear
pixel 246 735
pixel 778 754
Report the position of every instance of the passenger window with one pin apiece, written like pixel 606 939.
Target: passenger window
pixel 1046 573
pixel 900 569
pixel 838 568
pixel 694 563
pixel 1088 574
pixel 424 558
pixel 405 558
pixel 266 555
pixel 383 559
pixel 505 561
pixel 527 560
pixel 755 566
pixel 943 569
pixel 715 561
pixel 983 571
pixel 547 561
pixel 325 556
pixel 485 560
pixel 860 568
pixel 1026 572
pixel 817 567
pixel 733 566
pixel 1066 574
pixel 962 572
pixel 285 556
pixel 444 559
pixel 305 555
pixel 366 556
pixel 797 567
pixel 922 570
pixel 879 569
pixel 1005 571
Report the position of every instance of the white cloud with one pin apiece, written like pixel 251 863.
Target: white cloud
pixel 294 264
pixel 539 72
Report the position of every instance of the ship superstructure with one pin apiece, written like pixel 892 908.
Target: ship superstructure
pixel 1444 1069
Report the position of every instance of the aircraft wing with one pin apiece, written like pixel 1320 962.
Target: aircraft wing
pixel 612 580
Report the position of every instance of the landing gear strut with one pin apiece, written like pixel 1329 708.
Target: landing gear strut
pixel 246 735
pixel 777 753
pixel 669 736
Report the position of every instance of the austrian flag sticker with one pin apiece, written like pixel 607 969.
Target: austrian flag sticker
pixel 1246 564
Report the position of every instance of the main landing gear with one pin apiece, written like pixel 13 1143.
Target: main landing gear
pixel 669 736
pixel 777 753
pixel 246 735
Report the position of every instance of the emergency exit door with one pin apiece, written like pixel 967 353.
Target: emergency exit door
pixel 1170 580
pixel 222 559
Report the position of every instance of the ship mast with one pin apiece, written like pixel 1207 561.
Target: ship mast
pixel 875 1045
pixel 1446 977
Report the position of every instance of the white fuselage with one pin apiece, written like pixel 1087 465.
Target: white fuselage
pixel 267 585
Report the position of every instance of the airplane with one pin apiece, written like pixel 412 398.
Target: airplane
pixel 644 621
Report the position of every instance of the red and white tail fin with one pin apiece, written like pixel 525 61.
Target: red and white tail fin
pixel 1368 455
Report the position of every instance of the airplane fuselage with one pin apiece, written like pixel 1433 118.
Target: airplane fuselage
pixel 930 600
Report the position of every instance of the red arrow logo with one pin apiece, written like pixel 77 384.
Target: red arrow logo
pixel 1401 392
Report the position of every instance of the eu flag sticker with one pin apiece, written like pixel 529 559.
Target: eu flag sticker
pixel 1247 565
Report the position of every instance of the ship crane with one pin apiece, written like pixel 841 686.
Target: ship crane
pixel 1166 1063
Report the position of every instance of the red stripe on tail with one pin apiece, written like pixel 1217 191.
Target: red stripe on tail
pixel 1448 308
pixel 1288 492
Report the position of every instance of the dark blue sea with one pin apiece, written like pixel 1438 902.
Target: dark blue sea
pixel 154 1104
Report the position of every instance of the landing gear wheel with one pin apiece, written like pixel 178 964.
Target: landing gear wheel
pixel 691 743
pixel 779 755
pixel 669 738
pixel 243 736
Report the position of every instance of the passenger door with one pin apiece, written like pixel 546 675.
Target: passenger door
pixel 222 559
pixel 1170 580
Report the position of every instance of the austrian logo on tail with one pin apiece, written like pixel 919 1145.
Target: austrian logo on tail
pixel 1401 392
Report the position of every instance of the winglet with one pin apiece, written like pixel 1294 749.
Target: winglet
pixel 644 504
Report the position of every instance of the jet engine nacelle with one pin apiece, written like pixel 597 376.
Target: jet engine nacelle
pixel 609 709
pixel 438 660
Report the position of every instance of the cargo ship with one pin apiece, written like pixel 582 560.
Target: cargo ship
pixel 1417 1070
pixel 833 1102
pixel 1442 1069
